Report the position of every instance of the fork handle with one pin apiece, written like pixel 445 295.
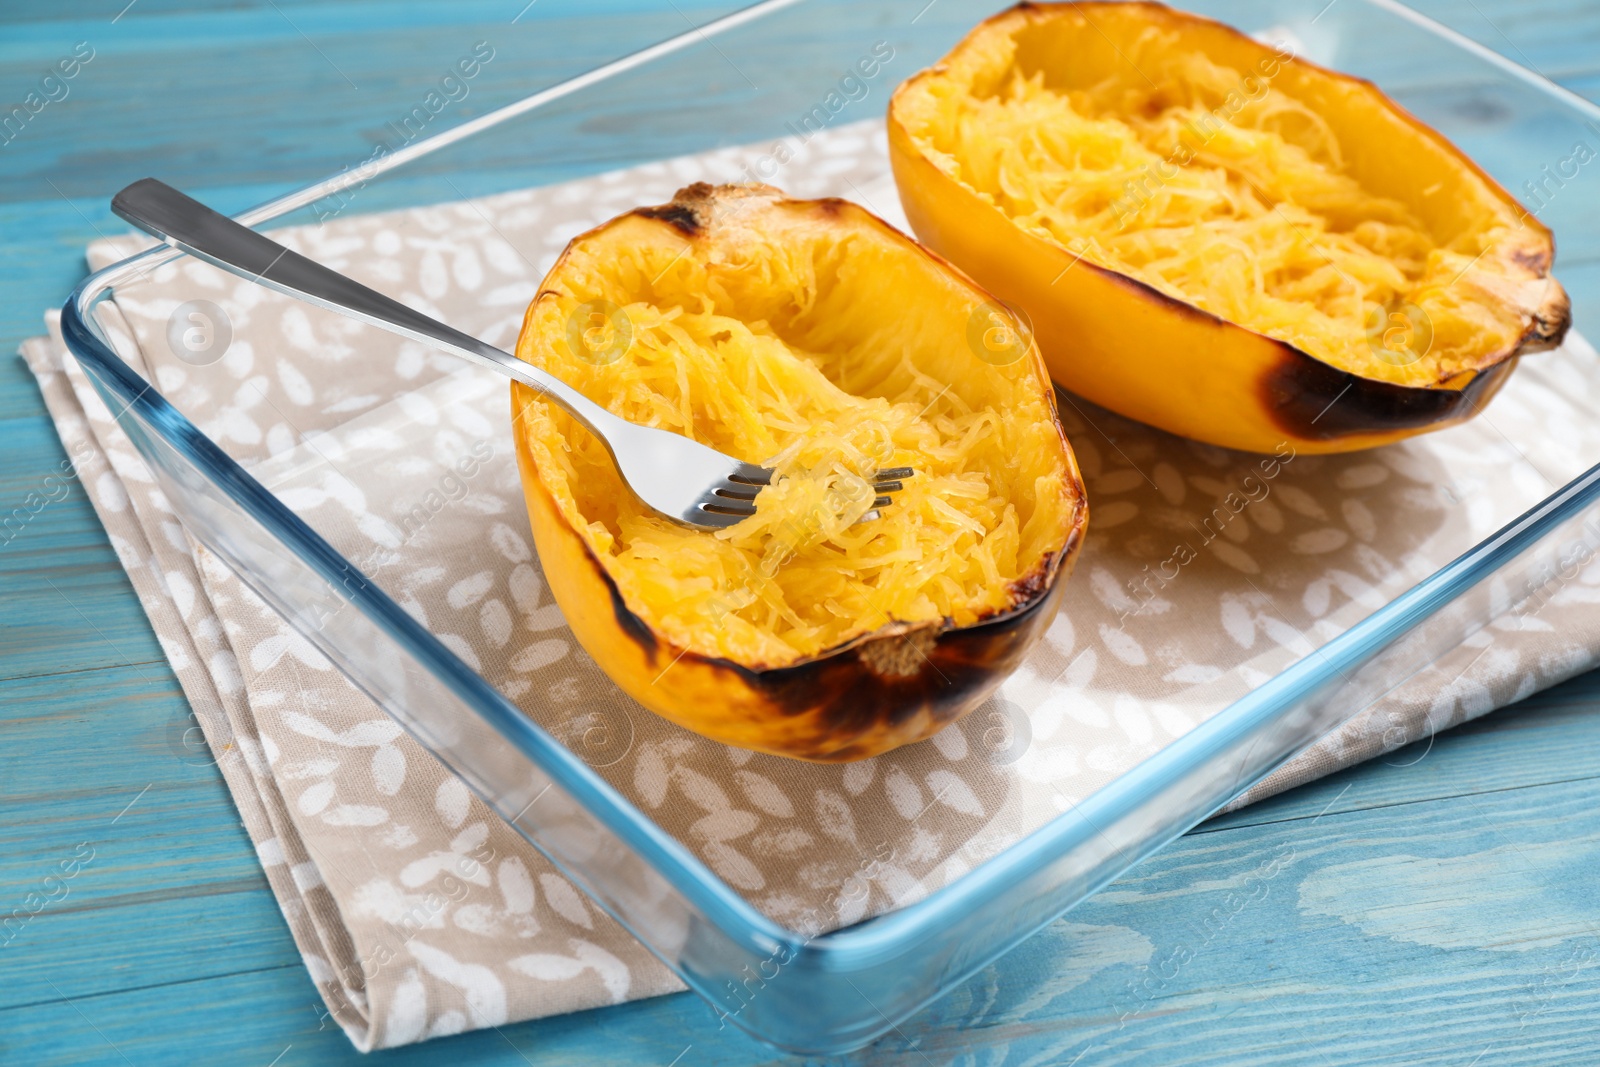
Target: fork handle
pixel 187 224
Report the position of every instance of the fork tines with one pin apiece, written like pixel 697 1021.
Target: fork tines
pixel 735 497
pixel 888 480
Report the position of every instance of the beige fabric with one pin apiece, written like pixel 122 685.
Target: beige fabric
pixel 419 913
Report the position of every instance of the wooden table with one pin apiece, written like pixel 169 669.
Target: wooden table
pixel 1435 908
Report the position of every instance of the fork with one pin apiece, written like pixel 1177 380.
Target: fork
pixel 682 479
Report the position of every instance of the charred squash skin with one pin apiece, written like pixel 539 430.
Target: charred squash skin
pixel 882 691
pixel 1143 353
pixel 894 686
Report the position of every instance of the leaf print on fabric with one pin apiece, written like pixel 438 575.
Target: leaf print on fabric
pixel 1211 602
pixel 382 900
pixel 1234 557
pixel 1301 502
pixel 461 647
pixel 1169 483
pixel 953 792
pixel 733 865
pixel 650 776
pixel 1237 621
pixel 1194 674
pixel 547 967
pixel 527 588
pixel 432 277
pixel 408 1011
pixel 466 269
pixel 613 973
pixel 516 886
pixel 834 817
pixel 1362 476
pixel 857 776
pixel 388 769
pixel 315 798
pixel 366 734
pixel 512 916
pixel 724 825
pixel 495 622
pixel 451 800
pixel 356 815
pixel 565 901
pixel 764 794
pixel 1111 591
pixel 267 652
pixel 902 792
pixel 1319 542
pixel 705 793
pixel 951 743
pixel 483 993
pixel 1130 715
pixel 509 544
pixel 1119 481
pixel 470 590
pixel 539 655
pixel 1116 513
pixel 1123 645
pixel 458 860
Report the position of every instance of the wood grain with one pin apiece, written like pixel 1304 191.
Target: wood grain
pixel 1432 908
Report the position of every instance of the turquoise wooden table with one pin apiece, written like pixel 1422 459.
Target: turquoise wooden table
pixel 1438 907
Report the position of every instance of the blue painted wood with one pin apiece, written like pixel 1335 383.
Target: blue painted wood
pixel 1432 908
pixel 1493 948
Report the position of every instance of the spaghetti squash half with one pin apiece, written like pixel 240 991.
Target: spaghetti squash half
pixel 1217 238
pixel 811 337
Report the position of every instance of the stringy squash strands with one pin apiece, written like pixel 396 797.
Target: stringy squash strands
pixel 1217 187
pixel 821 343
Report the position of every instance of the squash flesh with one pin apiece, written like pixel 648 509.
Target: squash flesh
pixel 823 347
pixel 1243 204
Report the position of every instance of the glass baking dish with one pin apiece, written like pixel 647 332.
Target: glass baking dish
pixel 821 990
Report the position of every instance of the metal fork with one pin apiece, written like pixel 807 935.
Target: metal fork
pixel 682 479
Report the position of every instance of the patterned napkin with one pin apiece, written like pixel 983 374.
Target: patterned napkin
pixel 420 913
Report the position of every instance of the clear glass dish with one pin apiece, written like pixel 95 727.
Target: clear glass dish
pixel 801 989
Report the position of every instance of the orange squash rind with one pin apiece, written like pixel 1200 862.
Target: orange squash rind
pixel 1135 349
pixel 885 686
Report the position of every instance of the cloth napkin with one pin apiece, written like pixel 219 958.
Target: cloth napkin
pixel 419 913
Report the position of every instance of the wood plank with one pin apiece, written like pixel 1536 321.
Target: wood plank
pixel 150 838
pixel 1472 927
pixel 58 572
pixel 228 928
pixel 100 136
pixel 213 977
pixel 1556 38
pixel 204 931
pixel 1551 737
pixel 79 617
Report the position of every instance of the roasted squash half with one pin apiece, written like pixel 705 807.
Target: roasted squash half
pixel 1217 238
pixel 811 336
